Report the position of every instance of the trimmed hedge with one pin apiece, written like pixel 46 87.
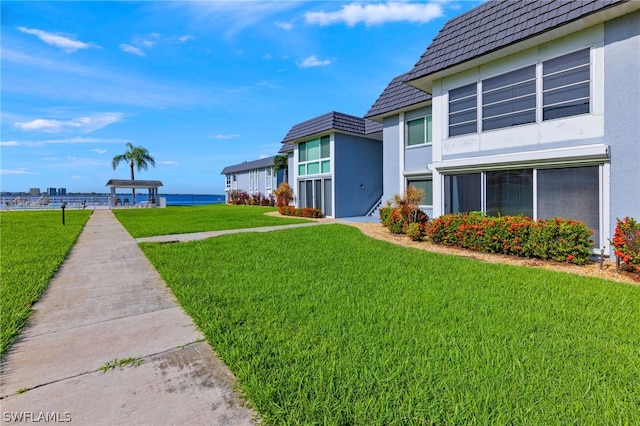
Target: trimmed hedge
pixel 626 243
pixel 237 197
pixel 305 212
pixel 563 240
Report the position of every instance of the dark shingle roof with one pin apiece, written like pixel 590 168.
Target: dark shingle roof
pixel 286 147
pixel 332 121
pixel 248 165
pixel 496 24
pixel 397 95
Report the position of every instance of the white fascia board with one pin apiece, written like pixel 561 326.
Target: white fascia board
pixel 557 156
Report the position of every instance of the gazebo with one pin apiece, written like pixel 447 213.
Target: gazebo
pixel 151 185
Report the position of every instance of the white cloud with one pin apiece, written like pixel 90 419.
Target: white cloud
pixel 65 43
pixel 99 151
pixel 16 172
pixel 132 49
pixel 83 124
pixel 232 136
pixel 287 26
pixel 185 38
pixel 313 61
pixel 376 14
pixel 170 163
pixel 10 143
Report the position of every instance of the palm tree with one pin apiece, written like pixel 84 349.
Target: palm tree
pixel 136 156
pixel 281 162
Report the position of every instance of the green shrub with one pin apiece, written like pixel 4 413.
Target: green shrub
pixel 626 243
pixel 414 231
pixel 563 240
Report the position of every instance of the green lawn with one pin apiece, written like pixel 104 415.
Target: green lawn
pixel 183 220
pixel 32 247
pixel 323 325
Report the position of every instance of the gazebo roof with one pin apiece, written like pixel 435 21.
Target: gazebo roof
pixel 128 183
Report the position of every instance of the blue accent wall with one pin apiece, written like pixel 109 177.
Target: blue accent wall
pixel 357 163
pixel 622 114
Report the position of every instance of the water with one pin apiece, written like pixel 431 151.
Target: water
pixel 180 199
pixel 90 200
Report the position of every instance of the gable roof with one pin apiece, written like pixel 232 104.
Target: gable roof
pixel 248 165
pixel 497 24
pixel 397 95
pixel 332 121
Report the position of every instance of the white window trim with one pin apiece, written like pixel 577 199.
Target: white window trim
pixel 426 143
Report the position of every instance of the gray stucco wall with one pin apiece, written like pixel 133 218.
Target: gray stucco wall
pixel 357 161
pixel 417 158
pixel 622 114
pixel 391 158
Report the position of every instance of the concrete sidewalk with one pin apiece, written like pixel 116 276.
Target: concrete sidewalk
pixel 108 303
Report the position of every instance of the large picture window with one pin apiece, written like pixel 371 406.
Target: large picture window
pixel 419 131
pixel 510 193
pixel 314 156
pixel 463 193
pixel 571 193
pixel 427 190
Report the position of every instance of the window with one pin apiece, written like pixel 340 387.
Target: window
pixel 566 85
pixel 509 99
pixel 463 193
pixel 571 193
pixel 419 131
pixel 228 185
pixel 269 178
pixel 427 190
pixel 510 193
pixel 463 110
pixel 313 156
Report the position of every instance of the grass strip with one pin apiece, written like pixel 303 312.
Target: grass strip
pixel 33 245
pixel 187 219
pixel 323 325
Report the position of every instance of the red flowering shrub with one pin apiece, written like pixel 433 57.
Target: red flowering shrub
pixel 626 243
pixel 238 197
pixel 404 213
pixel 306 212
pixel 557 239
pixel 287 210
pixel 309 212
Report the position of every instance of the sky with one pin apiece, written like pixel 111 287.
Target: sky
pixel 200 84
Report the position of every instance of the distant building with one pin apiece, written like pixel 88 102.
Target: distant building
pixel 52 191
pixel 62 191
pixel 34 192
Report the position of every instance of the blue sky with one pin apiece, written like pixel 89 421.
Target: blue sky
pixel 201 85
